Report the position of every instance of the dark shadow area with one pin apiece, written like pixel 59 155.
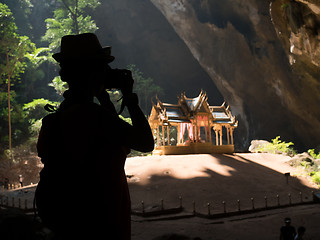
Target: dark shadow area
pixel 139 34
pixel 223 13
pixel 15 225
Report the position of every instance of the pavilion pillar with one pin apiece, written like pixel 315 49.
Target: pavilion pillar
pixel 194 132
pixel 168 135
pixel 206 131
pixel 217 137
pixel 209 127
pixel 231 135
pixel 197 131
pixel 228 137
pixel 178 134
pixel 220 137
pixel 163 136
pixel 158 135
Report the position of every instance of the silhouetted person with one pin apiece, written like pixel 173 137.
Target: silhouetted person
pixel 287 232
pixel 21 180
pixel 301 231
pixel 85 140
pixel 6 183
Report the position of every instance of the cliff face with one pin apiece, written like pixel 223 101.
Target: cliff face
pixel 139 34
pixel 264 59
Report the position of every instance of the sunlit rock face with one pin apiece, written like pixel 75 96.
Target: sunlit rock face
pixel 262 56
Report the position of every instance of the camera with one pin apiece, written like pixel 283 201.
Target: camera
pixel 118 79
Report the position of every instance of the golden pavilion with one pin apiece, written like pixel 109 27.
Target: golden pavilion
pixel 192 126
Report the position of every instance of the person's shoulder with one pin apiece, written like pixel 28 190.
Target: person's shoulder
pixel 50 118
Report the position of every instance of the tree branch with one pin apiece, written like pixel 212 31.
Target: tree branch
pixel 74 15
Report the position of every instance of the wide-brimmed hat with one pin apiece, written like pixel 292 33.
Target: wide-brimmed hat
pixel 84 46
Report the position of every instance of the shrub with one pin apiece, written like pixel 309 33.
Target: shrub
pixel 278 146
pixel 316 177
pixel 313 154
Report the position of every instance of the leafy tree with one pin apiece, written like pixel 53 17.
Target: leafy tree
pixel 69 18
pixel 21 10
pixel 33 79
pixel 14 50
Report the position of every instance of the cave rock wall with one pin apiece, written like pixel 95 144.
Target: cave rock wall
pixel 264 59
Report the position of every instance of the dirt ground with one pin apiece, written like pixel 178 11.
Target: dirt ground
pixel 203 178
pixel 212 179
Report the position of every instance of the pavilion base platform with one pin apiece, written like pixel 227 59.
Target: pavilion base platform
pixel 194 148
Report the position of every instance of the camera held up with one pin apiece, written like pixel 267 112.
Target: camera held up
pixel 119 79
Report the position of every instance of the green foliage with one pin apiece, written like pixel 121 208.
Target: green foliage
pixel 38 56
pixel 19 125
pixel 58 85
pixel 313 154
pixel 69 18
pixel 315 176
pixel 278 146
pixel 128 120
pixel 15 52
pixel 35 109
pixel 13 48
pixel 34 112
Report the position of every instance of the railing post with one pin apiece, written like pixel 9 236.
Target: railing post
pixel 289 195
pixel 194 207
pixel 142 205
pixel 266 201
pixel 224 207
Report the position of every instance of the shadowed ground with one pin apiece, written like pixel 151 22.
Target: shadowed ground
pixel 213 179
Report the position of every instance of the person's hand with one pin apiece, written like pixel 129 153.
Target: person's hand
pixel 104 98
